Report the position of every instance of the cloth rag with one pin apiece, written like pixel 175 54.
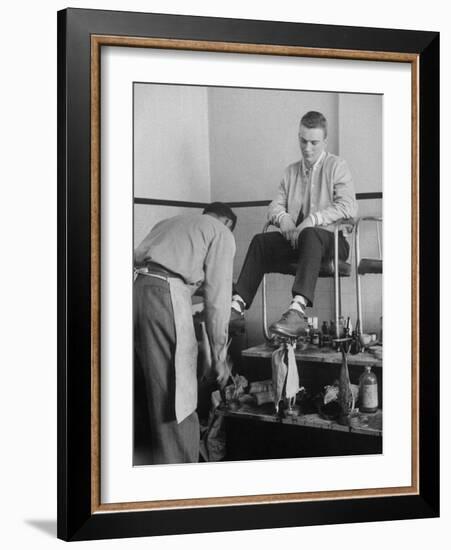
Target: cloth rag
pixel 285 377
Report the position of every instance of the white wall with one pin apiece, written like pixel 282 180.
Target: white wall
pixel 228 144
pixel 253 137
pixel 360 141
pixel 28 296
pixel 171 142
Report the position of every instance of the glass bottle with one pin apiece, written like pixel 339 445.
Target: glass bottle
pixel 368 391
pixel 332 329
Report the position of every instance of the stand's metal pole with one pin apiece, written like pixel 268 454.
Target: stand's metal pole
pixel 265 311
pixel 359 322
pixel 336 284
pixel 264 303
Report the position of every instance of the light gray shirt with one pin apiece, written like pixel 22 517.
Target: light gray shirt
pixel 200 249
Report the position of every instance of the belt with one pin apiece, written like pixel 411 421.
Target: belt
pixel 147 274
pixel 157 271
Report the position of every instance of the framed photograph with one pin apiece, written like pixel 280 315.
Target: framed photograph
pixel 202 163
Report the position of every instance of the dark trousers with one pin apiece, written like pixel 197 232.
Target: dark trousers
pixel 155 339
pixel 272 253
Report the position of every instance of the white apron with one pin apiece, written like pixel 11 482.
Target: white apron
pixel 185 350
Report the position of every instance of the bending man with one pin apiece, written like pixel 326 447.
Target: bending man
pixel 178 255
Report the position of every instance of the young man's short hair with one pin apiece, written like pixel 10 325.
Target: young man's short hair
pixel 314 119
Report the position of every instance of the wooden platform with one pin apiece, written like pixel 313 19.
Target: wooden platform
pixel 364 424
pixel 314 354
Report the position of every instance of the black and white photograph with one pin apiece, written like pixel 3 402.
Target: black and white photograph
pixel 225 275
pixel 258 276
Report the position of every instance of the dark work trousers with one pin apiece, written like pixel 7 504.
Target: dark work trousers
pixel 272 253
pixel 154 338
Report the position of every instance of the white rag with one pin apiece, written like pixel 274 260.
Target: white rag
pixel 285 377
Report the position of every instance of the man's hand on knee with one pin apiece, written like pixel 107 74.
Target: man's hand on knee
pixel 294 234
pixel 286 225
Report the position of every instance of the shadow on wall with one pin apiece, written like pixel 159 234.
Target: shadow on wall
pixel 46 526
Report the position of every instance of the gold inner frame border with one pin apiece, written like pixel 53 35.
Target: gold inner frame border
pixel 97 41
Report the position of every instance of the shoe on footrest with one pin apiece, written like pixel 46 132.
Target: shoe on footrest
pixel 291 324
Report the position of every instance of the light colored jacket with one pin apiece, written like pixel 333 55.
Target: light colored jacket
pixel 325 193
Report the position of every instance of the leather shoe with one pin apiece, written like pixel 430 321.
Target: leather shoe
pixel 291 324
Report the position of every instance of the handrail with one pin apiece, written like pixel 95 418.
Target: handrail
pixel 377 219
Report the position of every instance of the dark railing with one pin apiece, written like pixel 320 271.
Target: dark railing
pixel 242 204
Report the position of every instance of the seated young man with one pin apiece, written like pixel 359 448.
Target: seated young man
pixel 315 192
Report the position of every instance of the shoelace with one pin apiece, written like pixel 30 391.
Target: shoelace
pixel 285 315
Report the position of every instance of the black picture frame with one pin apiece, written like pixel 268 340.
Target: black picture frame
pixel 78 518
